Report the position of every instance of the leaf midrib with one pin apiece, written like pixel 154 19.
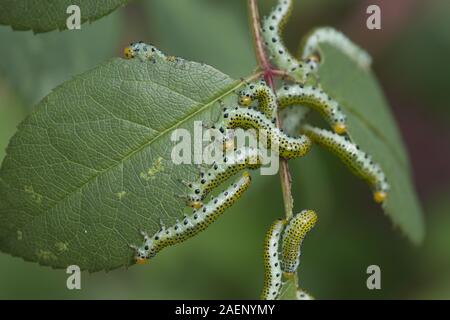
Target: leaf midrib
pixel 233 86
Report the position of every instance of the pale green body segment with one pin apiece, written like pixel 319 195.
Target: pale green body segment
pixel 260 91
pixel 293 236
pixel 315 99
pixel 272 266
pixel 303 295
pixel 338 40
pixel 143 51
pixel 232 163
pixel 289 147
pixel 192 225
pixel 272 29
pixel 358 161
pixel 292 118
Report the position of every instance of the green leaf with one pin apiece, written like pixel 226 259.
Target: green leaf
pixel 372 126
pixel 11 113
pixel 288 289
pixel 34 64
pixel 46 15
pixel 92 165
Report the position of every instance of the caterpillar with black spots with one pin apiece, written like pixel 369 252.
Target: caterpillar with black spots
pixel 289 147
pixel 260 91
pixel 338 40
pixel 272 29
pixel 272 265
pixel 144 52
pixel 292 239
pixel 191 225
pixel 358 161
pixel 316 99
pixel 243 158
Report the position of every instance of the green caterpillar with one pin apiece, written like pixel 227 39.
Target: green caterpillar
pixel 272 266
pixel 339 41
pixel 289 147
pixel 293 236
pixel 192 225
pixel 272 29
pixel 316 99
pixel 243 158
pixel 358 161
pixel 144 52
pixel 260 91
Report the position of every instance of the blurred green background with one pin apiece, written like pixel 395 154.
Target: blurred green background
pixel 226 261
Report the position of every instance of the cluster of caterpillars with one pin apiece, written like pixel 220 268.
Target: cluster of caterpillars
pixel 257 108
pixel 282 250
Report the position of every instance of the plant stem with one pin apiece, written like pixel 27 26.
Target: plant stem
pixel 269 73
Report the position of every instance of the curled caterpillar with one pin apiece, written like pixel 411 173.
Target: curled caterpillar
pixel 263 93
pixel 243 158
pixel 316 99
pixel 293 236
pixel 272 267
pixel 303 295
pixel 192 225
pixel 338 40
pixel 272 29
pixel 289 147
pixel 358 161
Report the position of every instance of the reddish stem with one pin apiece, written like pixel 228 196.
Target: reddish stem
pixel 269 73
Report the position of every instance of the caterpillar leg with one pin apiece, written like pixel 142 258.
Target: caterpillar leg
pixel 144 234
pixel 359 162
pixel 232 163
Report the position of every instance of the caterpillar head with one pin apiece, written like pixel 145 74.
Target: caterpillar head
pixel 141 256
pixel 379 196
pixel 244 99
pixel 381 188
pixel 134 48
pixel 339 128
pixel 194 202
pixel 246 95
pixel 128 52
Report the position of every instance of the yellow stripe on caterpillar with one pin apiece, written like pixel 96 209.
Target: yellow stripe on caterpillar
pixel 192 225
pixel 232 163
pixel 289 147
pixel 261 92
pixel 293 236
pixel 315 99
pixel 358 161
